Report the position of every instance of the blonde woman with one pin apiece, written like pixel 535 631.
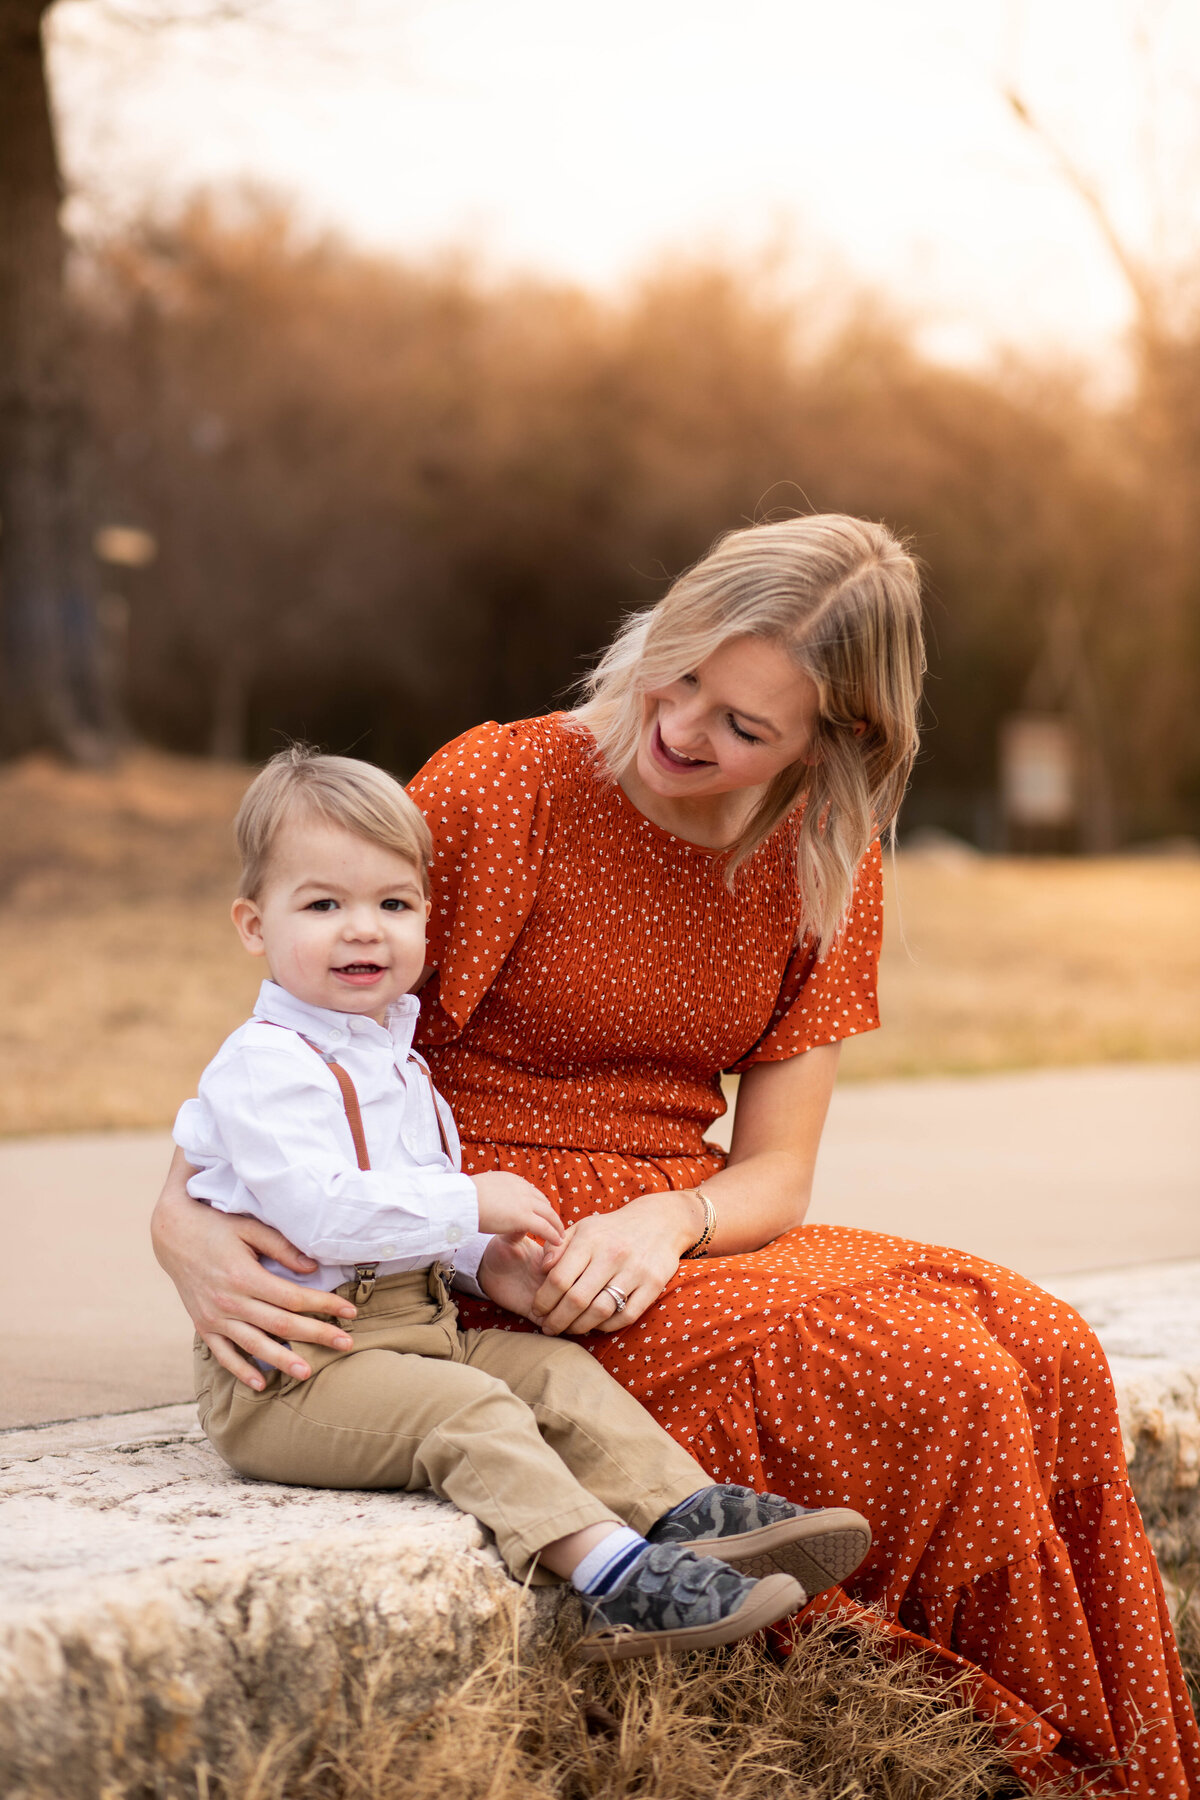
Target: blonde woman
pixel 682 878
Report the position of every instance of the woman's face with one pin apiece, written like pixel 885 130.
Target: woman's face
pixel 735 721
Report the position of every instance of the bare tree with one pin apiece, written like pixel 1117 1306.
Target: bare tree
pixel 52 668
pixel 1163 421
pixel 53 689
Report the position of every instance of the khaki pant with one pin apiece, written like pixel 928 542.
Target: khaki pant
pixel 528 1433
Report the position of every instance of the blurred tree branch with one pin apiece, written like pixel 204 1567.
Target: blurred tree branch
pixel 152 17
pixel 1144 284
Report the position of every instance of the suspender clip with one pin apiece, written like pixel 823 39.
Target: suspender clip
pixel 364 1275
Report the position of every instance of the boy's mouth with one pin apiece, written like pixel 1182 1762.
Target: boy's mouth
pixel 360 973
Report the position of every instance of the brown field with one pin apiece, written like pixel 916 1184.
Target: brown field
pixel 119 972
pixel 1016 963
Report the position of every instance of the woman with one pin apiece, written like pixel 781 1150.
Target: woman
pixel 680 879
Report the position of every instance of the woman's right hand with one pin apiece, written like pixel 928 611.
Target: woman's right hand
pixel 235 1304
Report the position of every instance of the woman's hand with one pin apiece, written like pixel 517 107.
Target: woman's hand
pixel 637 1250
pixel 762 1191
pixel 234 1303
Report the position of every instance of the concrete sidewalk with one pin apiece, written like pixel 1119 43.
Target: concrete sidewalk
pixel 1051 1172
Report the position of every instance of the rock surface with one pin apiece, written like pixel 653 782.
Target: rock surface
pixel 151 1598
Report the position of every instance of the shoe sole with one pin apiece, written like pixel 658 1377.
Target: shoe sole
pixel 770 1600
pixel 817 1549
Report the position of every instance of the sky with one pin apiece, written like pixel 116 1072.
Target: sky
pixel 869 140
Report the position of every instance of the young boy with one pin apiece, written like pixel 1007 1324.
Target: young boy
pixel 317 1117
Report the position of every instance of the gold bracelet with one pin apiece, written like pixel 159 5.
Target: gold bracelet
pixel 710 1224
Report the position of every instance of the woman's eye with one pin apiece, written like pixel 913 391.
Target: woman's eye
pixel 747 737
pixel 321 906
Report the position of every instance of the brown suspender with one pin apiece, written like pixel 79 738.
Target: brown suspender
pixel 365 1272
pixel 350 1102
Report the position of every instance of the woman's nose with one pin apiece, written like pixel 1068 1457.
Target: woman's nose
pixel 681 720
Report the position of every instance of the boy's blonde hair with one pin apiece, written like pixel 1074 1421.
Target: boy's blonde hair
pixel 843 598
pixel 337 789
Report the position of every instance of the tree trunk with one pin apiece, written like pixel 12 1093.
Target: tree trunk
pixel 231 710
pixel 52 667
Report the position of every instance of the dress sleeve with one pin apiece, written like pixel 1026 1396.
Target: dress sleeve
pixel 486 799
pixel 822 1002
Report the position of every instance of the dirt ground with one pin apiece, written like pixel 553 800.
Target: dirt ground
pixel 120 974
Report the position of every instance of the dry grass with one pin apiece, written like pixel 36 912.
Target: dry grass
pixel 843 1721
pixel 1186 1581
pixel 119 972
pixel 1013 963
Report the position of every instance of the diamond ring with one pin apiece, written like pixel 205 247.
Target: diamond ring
pixel 620 1300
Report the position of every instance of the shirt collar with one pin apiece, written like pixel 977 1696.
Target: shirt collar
pixel 327 1029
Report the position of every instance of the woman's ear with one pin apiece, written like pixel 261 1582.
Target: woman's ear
pixel 859 728
pixel 247 922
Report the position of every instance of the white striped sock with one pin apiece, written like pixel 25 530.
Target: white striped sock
pixel 602 1567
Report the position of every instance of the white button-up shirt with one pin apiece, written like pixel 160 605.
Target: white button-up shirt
pixel 269 1135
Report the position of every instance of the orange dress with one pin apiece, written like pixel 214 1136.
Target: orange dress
pixel 594 976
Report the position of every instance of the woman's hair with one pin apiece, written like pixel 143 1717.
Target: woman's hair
pixel 843 598
pixel 336 789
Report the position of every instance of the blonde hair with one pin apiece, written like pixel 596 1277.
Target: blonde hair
pixel 337 789
pixel 843 597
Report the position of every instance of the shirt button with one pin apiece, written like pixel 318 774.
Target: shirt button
pixel 387 1249
pixel 454 1235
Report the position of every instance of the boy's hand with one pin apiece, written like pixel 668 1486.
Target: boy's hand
pixel 510 1273
pixel 512 1207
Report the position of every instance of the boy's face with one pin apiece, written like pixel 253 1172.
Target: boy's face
pixel 340 920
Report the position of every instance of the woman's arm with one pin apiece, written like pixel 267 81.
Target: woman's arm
pixel 763 1191
pixel 766 1185
pixel 234 1303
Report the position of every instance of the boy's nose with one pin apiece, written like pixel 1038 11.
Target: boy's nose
pixel 362 924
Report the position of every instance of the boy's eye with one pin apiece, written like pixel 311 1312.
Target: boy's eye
pixel 321 906
pixel 747 737
pixel 394 905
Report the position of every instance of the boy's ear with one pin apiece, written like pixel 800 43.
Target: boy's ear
pixel 247 922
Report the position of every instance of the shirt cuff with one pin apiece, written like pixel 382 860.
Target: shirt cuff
pixel 467 1259
pixel 457 1220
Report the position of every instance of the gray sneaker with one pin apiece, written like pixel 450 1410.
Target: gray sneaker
pixel 817 1546
pixel 673 1600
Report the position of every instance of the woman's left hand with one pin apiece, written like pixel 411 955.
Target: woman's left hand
pixel 635 1250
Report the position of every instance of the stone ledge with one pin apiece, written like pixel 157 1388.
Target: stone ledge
pixel 151 1598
